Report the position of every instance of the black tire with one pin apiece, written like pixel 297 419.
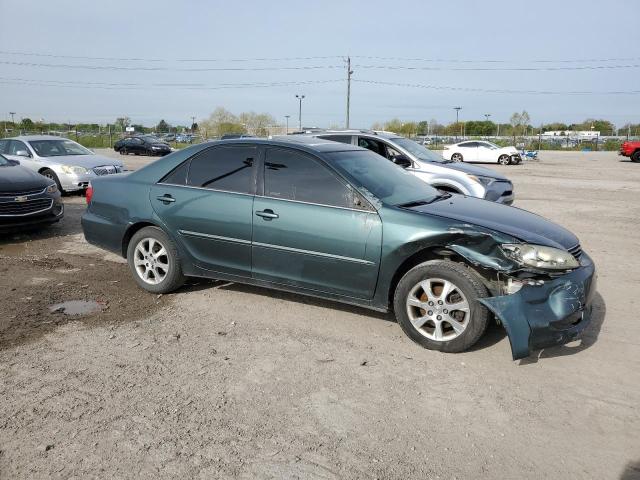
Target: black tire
pixel 174 278
pixel 635 156
pixel 457 157
pixel 47 172
pixel 123 151
pixel 504 160
pixel 466 282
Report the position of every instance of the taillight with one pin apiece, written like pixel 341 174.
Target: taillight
pixel 88 193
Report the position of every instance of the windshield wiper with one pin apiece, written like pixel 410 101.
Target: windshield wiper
pixel 417 203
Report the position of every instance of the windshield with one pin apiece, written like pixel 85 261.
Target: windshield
pixel 374 174
pixel 57 148
pixel 418 151
pixel 490 145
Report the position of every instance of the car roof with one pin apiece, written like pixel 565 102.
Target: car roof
pixel 38 137
pixel 362 133
pixel 304 142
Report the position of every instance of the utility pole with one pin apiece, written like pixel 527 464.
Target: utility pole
pixel 193 121
pixel 349 73
pixel 300 97
pixel 287 117
pixel 457 109
pixel 13 122
pixel 486 116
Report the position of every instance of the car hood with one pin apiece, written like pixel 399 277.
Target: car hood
pixel 15 178
pixel 525 226
pixel 87 161
pixel 472 170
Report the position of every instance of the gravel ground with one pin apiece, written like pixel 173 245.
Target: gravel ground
pixel 228 381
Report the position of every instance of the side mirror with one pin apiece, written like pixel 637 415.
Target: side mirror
pixel 23 153
pixel 402 161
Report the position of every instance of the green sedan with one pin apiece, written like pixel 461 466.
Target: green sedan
pixel 339 222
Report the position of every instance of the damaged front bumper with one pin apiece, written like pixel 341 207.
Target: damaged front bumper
pixel 552 312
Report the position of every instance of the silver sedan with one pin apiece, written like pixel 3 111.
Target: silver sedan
pixel 68 163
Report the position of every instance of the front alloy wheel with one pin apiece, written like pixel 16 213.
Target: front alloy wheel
pixel 504 160
pixel 438 309
pixel 436 304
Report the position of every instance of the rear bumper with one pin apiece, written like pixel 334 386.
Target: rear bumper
pixel 550 314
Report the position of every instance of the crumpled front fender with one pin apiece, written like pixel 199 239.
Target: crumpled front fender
pixel 553 313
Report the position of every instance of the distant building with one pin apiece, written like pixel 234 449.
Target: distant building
pixel 572 133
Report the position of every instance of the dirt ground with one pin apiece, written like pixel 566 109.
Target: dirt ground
pixel 228 381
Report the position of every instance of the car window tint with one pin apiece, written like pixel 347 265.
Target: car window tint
pixel 338 138
pixel 4 146
pixel 293 175
pixel 15 146
pixel 224 168
pixel 178 176
pixel 373 145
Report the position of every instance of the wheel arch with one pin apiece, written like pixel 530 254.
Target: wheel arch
pixel 132 230
pixel 437 253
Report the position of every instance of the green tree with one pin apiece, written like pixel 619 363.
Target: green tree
pixel 163 127
pixel 26 124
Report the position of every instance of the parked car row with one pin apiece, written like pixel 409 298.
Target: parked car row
pixel 70 165
pixel 333 219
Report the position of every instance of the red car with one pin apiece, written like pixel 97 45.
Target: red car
pixel 631 149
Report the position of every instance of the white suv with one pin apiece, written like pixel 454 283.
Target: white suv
pixel 440 173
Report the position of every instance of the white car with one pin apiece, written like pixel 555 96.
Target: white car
pixel 64 161
pixel 481 152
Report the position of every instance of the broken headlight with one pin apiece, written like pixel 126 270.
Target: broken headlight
pixel 538 256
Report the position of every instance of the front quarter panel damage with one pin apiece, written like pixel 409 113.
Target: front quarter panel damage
pixel 552 313
pixel 551 309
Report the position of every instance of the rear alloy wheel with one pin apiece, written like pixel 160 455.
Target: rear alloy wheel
pixel 436 304
pixel 154 262
pixel 504 160
pixel 457 157
pixel 47 172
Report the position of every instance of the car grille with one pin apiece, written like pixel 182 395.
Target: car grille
pixel 576 251
pixel 29 207
pixel 20 193
pixel 107 170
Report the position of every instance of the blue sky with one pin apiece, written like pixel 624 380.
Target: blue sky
pixel 472 46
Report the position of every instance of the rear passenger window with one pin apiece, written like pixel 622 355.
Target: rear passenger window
pixel 292 175
pixel 178 176
pixel 224 168
pixel 338 138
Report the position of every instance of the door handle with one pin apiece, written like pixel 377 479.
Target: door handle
pixel 166 199
pixel 267 214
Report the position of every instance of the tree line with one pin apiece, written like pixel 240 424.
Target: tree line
pixel 222 121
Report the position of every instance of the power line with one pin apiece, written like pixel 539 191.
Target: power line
pixel 445 60
pixel 138 86
pixel 156 69
pixel 319 57
pixel 483 90
pixel 498 69
pixel 139 59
